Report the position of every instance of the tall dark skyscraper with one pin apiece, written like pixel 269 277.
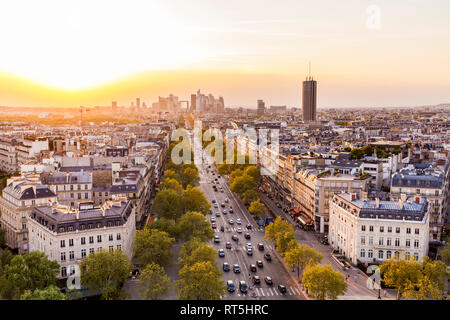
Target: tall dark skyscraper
pixel 309 98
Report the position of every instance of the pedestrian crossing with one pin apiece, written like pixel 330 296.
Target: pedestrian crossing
pixel 269 292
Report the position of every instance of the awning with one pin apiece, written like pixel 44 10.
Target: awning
pixel 301 220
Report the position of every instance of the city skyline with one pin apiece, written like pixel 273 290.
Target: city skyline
pixel 79 53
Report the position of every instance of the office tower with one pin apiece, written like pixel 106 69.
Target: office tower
pixel 261 107
pixel 193 102
pixel 309 99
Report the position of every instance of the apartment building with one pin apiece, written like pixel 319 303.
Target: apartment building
pixel 372 231
pixel 8 155
pixel 30 147
pixel 68 235
pixel 20 196
pixel 428 183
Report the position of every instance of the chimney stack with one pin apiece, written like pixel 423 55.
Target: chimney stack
pixel 353 196
pixel 377 202
pixel 417 199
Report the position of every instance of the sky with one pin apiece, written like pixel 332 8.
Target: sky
pixel 363 53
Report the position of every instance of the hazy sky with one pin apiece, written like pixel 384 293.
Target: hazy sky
pixel 402 58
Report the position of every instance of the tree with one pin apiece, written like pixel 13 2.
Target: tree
pixel 27 272
pixel 254 172
pixel 249 196
pixel 194 224
pixel 224 169
pixel 257 209
pixel 323 282
pixel 196 251
pixel 49 293
pixel 5 259
pixel 279 225
pixel 243 183
pixel 152 245
pixel 285 241
pixel 154 283
pixel 167 204
pixel 2 238
pixel 172 174
pixel 234 174
pixel 106 271
pixel 301 255
pixel 170 183
pixel 165 225
pixel 200 281
pixel 194 200
pixel 190 177
pixel 356 153
pixel 445 253
pixel 401 274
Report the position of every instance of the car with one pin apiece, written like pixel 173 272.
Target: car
pixel 267 257
pixel 221 253
pixel 226 200
pixel 253 268
pixel 234 237
pixel 259 263
pixel 213 219
pixel 228 245
pixel 213 226
pixel 282 288
pixel 222 228
pixel 268 280
pixel 249 245
pixel 213 201
pixel 243 286
pixel 215 205
pixel 230 286
pixel 249 226
pixel 231 221
pixel 226 267
pixel 278 205
pixel 247 236
pixel 261 246
pixel 221 190
pixel 236 268
pixel 249 252
pixel 238 221
pixel 239 230
pixel 215 179
pixel 222 205
pixel 216 239
pixel 256 280
pixel 231 211
pixel 217 214
pixel 224 212
pixel 218 177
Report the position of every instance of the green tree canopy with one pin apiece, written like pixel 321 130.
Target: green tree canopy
pixel 300 255
pixel 243 183
pixel 167 204
pixel 170 183
pixel 172 174
pixel 166 225
pixel 154 283
pixel 257 209
pixel 198 251
pixel 49 293
pixel 254 172
pixel 323 282
pixel 190 177
pixel 106 270
pixel 250 196
pixel 194 225
pixel 152 245
pixel 193 199
pixel 30 271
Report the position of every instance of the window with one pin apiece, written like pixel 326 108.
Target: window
pixel 71 255
pixel 86 195
pixel 24 225
pixel 380 254
pixel 78 187
pixel 389 229
pixel 71 196
pixel 408 243
pixel 389 242
pixel 119 246
pixel 370 241
pixel 91 239
pixel 63 243
pixel 91 250
pixel 416 243
pixel 363 228
pixel 71 187
pixel 370 228
pixel 83 240
pixel 397 255
pixel 363 253
pixel 370 253
pixel 83 253
pixel 119 236
pixel 381 229
pixel 417 231
pixel 388 254
pixel 99 249
pixel 63 256
pixel 70 242
pixel 397 230
pixel 63 272
pixel 397 242
pixel 380 241
pixel 79 196
pixel 363 240
pixel 111 237
pixel 72 270
pixel 99 238
pixel 111 248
